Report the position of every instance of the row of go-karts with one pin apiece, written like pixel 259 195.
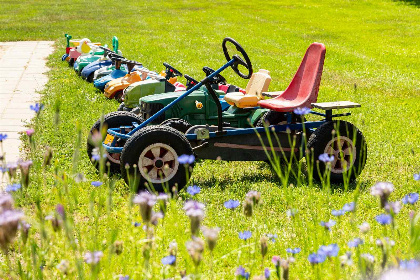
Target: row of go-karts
pixel 162 124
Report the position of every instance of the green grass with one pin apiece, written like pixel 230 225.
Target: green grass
pixel 372 58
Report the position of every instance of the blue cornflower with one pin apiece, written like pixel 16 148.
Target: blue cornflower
pixel 13 188
pixel 349 207
pixel 37 107
pixel 3 136
pixel 417 176
pixel 96 183
pixel 316 258
pixel 326 157
pixel 293 251
pixel 328 224
pixel 240 271
pixel 384 219
pixel 193 190
pixel 355 243
pixel 272 237
pixel 231 204
pixel 409 264
pixel 329 250
pixel 136 224
pixel 126 277
pixel 245 235
pixel 267 273
pixel 338 213
pixel 186 159
pixel 410 198
pixel 302 111
pixel 169 260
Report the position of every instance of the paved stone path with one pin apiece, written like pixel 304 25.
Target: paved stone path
pixel 22 68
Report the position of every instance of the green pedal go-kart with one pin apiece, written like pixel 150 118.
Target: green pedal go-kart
pixel 148 154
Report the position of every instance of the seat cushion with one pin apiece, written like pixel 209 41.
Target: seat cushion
pixel 240 100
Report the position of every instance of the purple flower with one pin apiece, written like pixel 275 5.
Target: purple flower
pixel 326 157
pixel 349 207
pixel 338 213
pixel 409 264
pixel 186 159
pixel 29 132
pixel 384 219
pixel 231 204
pixel 355 243
pixel 37 107
pixel 195 211
pixel 328 224
pixel 3 136
pixel 291 212
pixel 316 258
pixel 170 260
pixel 416 176
pixel 329 250
pixel 96 183
pixel 393 207
pixel 272 237
pixel 293 251
pixel 93 257
pixel 410 198
pixel 126 277
pixel 302 111
pixel 146 201
pixel 13 188
pixel 383 191
pixel 193 190
pixel 267 273
pixel 136 224
pixel 245 235
pixel 276 260
pixel 240 271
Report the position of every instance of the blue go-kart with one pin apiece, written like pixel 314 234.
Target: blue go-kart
pixel 150 154
pixel 89 71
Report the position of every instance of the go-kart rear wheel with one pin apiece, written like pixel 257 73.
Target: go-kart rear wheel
pixel 71 62
pixel 346 143
pixel 122 107
pixel 150 156
pixel 118 95
pixel 178 124
pixel 112 120
pixel 90 77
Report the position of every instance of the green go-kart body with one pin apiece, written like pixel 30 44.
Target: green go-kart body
pixel 198 108
pixel 83 61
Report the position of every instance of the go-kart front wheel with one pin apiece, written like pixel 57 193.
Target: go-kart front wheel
pixel 150 156
pixel 111 120
pixel 345 143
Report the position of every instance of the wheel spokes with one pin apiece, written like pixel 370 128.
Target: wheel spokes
pixel 147 161
pixel 156 152
pixel 168 156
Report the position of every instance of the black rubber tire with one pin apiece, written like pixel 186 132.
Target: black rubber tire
pixel 271 118
pixel 112 120
pixel 90 77
pixel 319 140
pixel 118 95
pixel 122 107
pixel 71 62
pixel 140 141
pixel 178 124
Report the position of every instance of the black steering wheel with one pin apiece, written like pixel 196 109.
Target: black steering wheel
pixel 218 79
pixel 170 71
pixel 130 64
pixel 190 81
pixel 238 60
pixel 113 54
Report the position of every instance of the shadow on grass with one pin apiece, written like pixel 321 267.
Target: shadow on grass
pixel 411 2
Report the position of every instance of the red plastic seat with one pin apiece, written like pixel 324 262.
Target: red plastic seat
pixel 303 90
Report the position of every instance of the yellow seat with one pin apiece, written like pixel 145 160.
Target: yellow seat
pixel 258 83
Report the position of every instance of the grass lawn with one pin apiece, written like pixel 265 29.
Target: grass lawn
pixel 372 58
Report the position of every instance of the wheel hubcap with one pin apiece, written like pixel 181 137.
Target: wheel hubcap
pixel 344 152
pixel 158 163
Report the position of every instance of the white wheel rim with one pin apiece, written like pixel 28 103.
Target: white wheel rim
pixel 114 157
pixel 158 163
pixel 344 152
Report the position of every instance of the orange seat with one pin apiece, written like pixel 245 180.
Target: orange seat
pixel 303 90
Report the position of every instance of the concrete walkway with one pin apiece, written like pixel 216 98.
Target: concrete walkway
pixel 22 68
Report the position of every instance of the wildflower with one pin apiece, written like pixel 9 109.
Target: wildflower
pixel 195 211
pixel 36 108
pixel 254 196
pixel 393 207
pixel 55 222
pixel 410 198
pixel 93 257
pixel 385 242
pixel 346 259
pixel 136 224
pixel 11 169
pixel 416 176
pixel 349 207
pixel 267 273
pixel 291 212
pixel 169 260
pixel 285 263
pixel 117 247
pixel 211 235
pixel 241 273
pixel 9 223
pixel 3 136
pixel 155 218
pixel 63 266
pixel 409 264
pixel 329 250
pixel 126 277
pixel 384 219
pixel 186 159
pixel 13 188
pixel 272 237
pixel 24 169
pixel 162 200
pixel 146 202
pixel 30 131
pixel 60 210
pixel 316 258
pixel 248 207
pixel 6 202
pixel 231 204
pixel 293 251
pixel 328 225
pixel 364 227
pixel 173 248
pixel 355 243
pixel 263 245
pixel 193 190
pixel 326 158
pixel 195 249
pixel 368 262
pixel 96 155
pixel 245 235
pixel 302 111
pixel 24 230
pixel 48 156
pixel 79 177
pixel 276 260
pixel 96 183
pixel 382 190
pixel 338 213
